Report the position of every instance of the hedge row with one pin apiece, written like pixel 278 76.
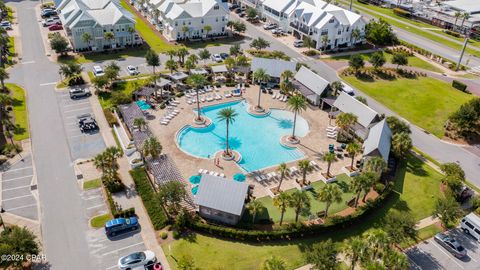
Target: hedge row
pixel 296 231
pixel 401 12
pixel 451 33
pixel 146 192
pixel 460 86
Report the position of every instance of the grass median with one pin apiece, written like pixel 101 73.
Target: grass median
pixel 20 113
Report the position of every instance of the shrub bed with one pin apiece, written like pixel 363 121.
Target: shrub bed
pixel 116 210
pixel 451 33
pixel 110 117
pixel 146 192
pixel 295 230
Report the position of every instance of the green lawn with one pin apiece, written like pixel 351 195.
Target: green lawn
pixel 99 221
pixel 92 184
pixel 413 61
pixel 419 29
pixel 20 113
pixel 426 102
pixel 153 39
pixel 11 50
pixel 423 234
pixel 413 182
pixel 126 87
pixel 316 206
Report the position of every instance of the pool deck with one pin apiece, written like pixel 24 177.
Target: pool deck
pixel 313 145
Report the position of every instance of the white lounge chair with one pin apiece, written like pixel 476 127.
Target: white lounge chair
pixel 227 94
pixel 222 175
pixel 200 171
pixel 273 174
pixel 263 177
pixel 202 99
pixel 216 174
pixel 313 163
pixel 279 97
pixel 293 170
pixel 331 129
pixel 205 171
pixel 258 179
pixel 285 98
pixel 274 96
pixel 209 98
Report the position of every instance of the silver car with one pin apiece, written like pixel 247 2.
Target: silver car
pixel 451 245
pixel 137 259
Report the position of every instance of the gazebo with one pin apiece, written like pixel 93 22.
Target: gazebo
pixel 178 76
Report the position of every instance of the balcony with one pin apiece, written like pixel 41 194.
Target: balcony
pixel 302 28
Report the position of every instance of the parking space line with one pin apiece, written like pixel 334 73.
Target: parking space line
pixel 414 263
pixel 50 83
pixel 448 255
pixel 7 189
pixel 81 109
pixel 111 267
pixel 96 206
pixel 93 197
pixel 20 207
pixel 14 170
pixel 16 178
pixel 76 104
pixel 76 136
pixel 113 251
pixel 15 198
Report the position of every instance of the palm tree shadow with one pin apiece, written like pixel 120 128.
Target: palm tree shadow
pixel 285 124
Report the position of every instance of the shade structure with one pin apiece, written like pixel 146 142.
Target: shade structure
pixel 239 177
pixel 194 190
pixel 195 179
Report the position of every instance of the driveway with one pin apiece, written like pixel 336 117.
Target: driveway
pixel 82 145
pixel 16 185
pixel 429 255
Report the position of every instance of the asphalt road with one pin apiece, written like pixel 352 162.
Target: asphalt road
pixel 430 255
pixel 62 214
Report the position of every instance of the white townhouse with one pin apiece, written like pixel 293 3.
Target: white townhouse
pixel 97 17
pixel 186 19
pixel 329 26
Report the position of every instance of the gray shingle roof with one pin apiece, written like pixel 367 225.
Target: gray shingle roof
pixel 311 80
pixel 273 67
pixel 222 194
pixel 349 104
pixel 379 138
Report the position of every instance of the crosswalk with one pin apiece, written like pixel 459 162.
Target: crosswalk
pixel 475 70
pixel 301 59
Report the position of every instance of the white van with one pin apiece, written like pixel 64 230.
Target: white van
pixel 298 43
pixel 471 225
pixel 98 71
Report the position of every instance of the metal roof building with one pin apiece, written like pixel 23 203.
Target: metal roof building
pixel 310 84
pixel 348 104
pixel 378 142
pixel 273 67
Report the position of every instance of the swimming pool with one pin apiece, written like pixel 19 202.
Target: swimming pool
pixel 256 138
pixel 143 105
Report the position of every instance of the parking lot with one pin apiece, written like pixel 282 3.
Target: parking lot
pixel 107 251
pixel 430 255
pixel 17 197
pixel 82 145
pixel 123 63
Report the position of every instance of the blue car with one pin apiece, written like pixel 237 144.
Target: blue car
pixel 118 226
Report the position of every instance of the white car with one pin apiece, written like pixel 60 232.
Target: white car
pixel 270 26
pixel 137 259
pixel 98 71
pixel 217 58
pixel 348 89
pixel 133 70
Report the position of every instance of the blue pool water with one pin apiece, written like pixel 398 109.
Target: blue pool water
pixel 143 105
pixel 257 139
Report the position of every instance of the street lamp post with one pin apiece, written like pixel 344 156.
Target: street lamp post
pixel 463 52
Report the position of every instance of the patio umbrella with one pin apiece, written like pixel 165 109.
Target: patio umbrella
pixel 194 190
pixel 195 179
pixel 239 177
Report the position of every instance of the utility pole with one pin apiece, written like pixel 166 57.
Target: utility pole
pixel 351 5
pixel 463 51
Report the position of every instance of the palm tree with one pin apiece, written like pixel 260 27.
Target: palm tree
pixel 242 61
pixel 308 42
pixel 100 162
pixel 377 240
pixel 255 207
pixel 193 58
pixel 367 183
pixel 3 76
pixel 344 120
pixel 109 36
pixel 5 100
pixel 87 38
pixel 336 86
pixel 465 16
pixel 171 53
pixel 171 65
pixel 189 65
pixel 196 81
pixel 207 28
pixel 353 149
pixel 181 53
pixel 261 76
pixel 274 263
pixel 354 249
pixel 231 24
pixel 362 182
pixel 458 14
pixel 376 165
pixel 204 55
pixel 395 260
pixel 184 30
pixel 401 144
pixel 296 104
pixel 286 75
pixel 355 35
pixel 152 147
pixel 286 87
pixel 228 115
pixel 153 60
pixel 139 123
pixel 299 200
pixel 329 194
pixel 305 167
pixel 324 42
pixel 329 158
pixel 229 63
pixel 281 202
pixel 283 170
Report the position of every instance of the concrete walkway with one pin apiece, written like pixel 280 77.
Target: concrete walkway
pixel 148 233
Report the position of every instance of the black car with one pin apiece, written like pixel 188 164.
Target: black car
pixel 242 14
pixel 48 13
pixel 237 11
pixel 233 6
pixel 87 123
pixel 224 55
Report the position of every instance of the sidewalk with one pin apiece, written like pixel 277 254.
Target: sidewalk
pixel 426 222
pixel 148 233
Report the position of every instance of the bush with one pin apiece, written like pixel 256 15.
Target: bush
pixel 130 212
pixel 119 98
pixel 379 187
pixel 10 150
pixel 163 235
pixel 179 94
pixel 144 189
pixel 451 33
pixel 76 81
pixel 111 119
pixel 311 52
pixel 460 86
pixel 176 235
pixel 401 12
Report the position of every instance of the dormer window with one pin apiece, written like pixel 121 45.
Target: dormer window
pixel 216 7
pixel 331 21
